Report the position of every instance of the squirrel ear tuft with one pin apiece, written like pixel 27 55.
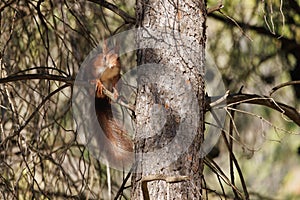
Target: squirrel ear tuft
pixel 105 48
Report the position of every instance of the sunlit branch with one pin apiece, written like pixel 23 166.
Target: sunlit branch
pixel 234 99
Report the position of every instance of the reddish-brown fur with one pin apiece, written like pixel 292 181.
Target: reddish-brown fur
pixel 105 71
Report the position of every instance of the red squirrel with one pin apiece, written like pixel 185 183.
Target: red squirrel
pixel 104 70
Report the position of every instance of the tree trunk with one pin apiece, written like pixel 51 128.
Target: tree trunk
pixel 170 102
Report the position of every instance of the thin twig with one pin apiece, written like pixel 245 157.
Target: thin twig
pixel 217 7
pixel 237 24
pixel 117 100
pixel 124 15
pixel 231 127
pixel 33 114
pixel 221 100
pixel 287 110
pixel 222 188
pixel 233 158
pixel 122 187
pixel 283 18
pixel 214 166
pixel 264 120
pixel 274 89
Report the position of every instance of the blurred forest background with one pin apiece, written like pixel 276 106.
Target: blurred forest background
pixel 255 44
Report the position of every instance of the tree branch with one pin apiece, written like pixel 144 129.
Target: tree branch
pixel 257 29
pixel 217 7
pixel 68 80
pixel 234 99
pixel 112 97
pixel 124 15
pixel 274 89
pixel 37 109
pixel 13 78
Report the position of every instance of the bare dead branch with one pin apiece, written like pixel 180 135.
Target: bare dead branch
pixel 231 169
pixel 237 25
pixel 215 8
pixel 219 172
pixel 287 110
pixel 33 114
pixel 122 187
pixel 111 96
pixel 6 5
pixel 257 29
pixel 234 160
pixel 125 16
pixel 68 80
pixel 13 78
pixel 274 89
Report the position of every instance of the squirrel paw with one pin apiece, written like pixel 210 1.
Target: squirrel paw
pixel 99 88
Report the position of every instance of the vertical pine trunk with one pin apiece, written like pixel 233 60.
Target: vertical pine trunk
pixel 165 113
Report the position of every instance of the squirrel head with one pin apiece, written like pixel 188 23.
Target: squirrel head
pixel 108 61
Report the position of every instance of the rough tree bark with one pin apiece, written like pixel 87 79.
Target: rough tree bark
pixel 160 110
